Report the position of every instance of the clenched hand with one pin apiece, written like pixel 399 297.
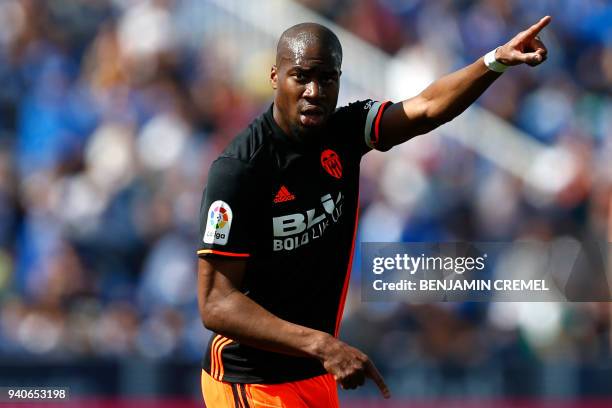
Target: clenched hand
pixel 525 48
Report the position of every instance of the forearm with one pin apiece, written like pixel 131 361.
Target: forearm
pixel 240 318
pixel 439 103
pixel 452 94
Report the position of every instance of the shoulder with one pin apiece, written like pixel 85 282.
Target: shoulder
pixel 361 114
pixel 248 148
pixel 357 108
pixel 360 119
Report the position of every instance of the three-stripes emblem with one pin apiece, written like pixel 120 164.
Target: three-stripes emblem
pixel 283 195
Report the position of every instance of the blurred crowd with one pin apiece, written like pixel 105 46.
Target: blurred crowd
pixel 109 120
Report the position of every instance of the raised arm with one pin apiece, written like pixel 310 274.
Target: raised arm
pixel 227 311
pixel 450 95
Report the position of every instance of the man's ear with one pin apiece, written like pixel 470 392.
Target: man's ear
pixel 274 77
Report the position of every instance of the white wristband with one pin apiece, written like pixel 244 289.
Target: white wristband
pixel 492 63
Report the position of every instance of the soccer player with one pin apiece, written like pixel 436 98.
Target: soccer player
pixel 279 216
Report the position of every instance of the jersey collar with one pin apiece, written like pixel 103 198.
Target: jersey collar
pixel 280 136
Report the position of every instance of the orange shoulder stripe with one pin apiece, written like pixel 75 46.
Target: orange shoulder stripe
pixel 214 251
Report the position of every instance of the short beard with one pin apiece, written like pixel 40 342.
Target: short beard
pixel 306 136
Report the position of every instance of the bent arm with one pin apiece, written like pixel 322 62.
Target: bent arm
pixel 227 311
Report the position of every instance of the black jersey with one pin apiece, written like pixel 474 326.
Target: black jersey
pixel 290 210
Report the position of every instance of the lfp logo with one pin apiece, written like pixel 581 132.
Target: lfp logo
pixel 219 223
pixel 218 217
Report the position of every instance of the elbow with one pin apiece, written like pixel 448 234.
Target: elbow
pixel 211 316
pixel 208 321
pixel 438 116
pixel 437 120
pixel 444 119
pixel 383 147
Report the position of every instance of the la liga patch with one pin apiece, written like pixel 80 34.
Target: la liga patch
pixel 218 223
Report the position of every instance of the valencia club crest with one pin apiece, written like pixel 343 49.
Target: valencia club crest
pixel 331 163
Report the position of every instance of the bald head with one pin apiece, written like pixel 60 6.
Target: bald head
pixel 306 79
pixel 294 42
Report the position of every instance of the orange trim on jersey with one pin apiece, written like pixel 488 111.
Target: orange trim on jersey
pixel 377 121
pixel 215 356
pixel 218 361
pixel 215 252
pixel 213 360
pixel 347 276
pixel 220 347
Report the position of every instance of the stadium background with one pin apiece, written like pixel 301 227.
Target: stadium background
pixel 112 110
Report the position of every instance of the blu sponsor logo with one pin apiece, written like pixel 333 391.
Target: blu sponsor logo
pixel 295 230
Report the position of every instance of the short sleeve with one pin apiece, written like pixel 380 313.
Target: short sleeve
pixel 225 213
pixel 365 117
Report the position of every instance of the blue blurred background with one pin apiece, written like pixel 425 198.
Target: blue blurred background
pixel 111 112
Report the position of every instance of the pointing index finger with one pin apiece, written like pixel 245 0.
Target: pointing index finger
pixel 372 372
pixel 536 28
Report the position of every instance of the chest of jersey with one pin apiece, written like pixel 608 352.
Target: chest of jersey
pixel 308 200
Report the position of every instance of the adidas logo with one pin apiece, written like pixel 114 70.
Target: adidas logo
pixel 283 195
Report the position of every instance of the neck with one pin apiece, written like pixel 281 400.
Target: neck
pixel 293 135
pixel 278 118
